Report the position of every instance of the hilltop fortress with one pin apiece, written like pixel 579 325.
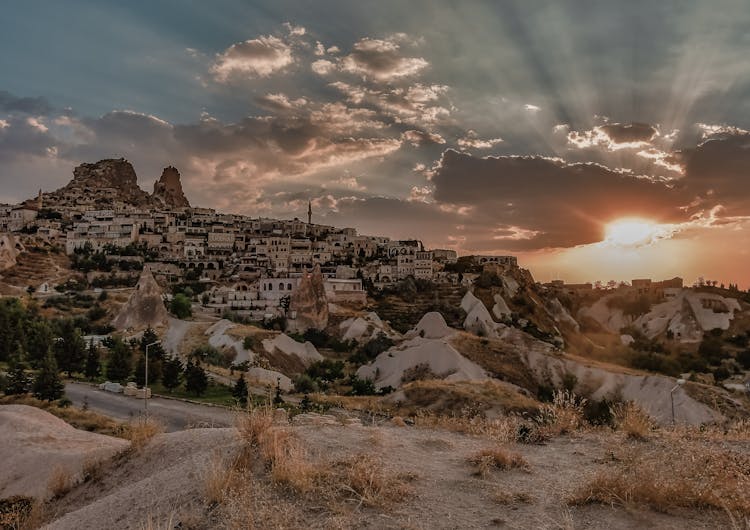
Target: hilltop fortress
pixel 248 264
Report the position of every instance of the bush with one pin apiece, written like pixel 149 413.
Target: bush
pixel 362 387
pixel 326 370
pixel 181 307
pixel 303 383
pixel 744 359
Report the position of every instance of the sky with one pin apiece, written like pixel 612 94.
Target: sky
pixel 595 140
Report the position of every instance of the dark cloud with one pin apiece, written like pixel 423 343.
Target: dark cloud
pixel 627 133
pixel 716 173
pixel 36 106
pixel 545 202
pixel 24 137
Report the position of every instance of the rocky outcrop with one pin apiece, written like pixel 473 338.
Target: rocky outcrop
pixel 309 302
pixel 10 247
pixel 145 307
pixel 110 179
pixel 168 189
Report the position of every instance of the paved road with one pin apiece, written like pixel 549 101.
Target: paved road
pixel 175 415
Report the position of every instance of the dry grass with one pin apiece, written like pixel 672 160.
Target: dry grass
pixel 504 429
pixel 141 431
pixel 20 513
pixel 632 420
pixel 254 424
pixel 563 416
pixel 60 481
pixel 85 420
pixel 217 480
pixel 290 467
pixel 450 397
pixel 670 475
pixel 506 498
pixel 289 462
pixel 368 481
pixel 496 458
pixel 152 524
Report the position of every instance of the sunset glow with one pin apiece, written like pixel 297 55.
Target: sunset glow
pixel 634 232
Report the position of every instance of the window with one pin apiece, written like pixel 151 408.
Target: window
pixel 281 287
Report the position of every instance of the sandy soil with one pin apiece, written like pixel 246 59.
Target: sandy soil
pixel 33 443
pixel 166 481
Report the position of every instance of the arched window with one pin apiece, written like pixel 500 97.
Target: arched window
pixel 281 287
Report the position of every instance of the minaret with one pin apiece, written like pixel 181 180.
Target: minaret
pixel 39 200
pixel 309 212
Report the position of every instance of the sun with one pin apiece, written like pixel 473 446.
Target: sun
pixel 633 232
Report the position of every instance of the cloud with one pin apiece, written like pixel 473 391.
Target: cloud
pixel 259 57
pixel 27 105
pixel 322 67
pixel 551 203
pixel 472 141
pixel 417 138
pixel 381 60
pixel 280 102
pixel 531 108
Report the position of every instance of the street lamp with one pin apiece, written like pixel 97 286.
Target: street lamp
pixel 145 386
pixel 680 382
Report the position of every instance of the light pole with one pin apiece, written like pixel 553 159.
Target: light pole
pixel 145 386
pixel 680 382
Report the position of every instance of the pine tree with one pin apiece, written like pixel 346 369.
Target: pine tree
pixel 240 390
pixel 47 383
pixel 140 371
pixel 18 380
pixel 120 361
pixel 196 379
pixel 172 376
pixel 93 364
pixel 70 348
pixel 277 399
pixel 38 342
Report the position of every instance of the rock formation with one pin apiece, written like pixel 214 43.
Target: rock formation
pixel 10 247
pixel 309 302
pixel 107 179
pixel 145 307
pixel 168 189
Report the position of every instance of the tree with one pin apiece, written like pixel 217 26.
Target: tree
pixel 181 306
pixel 240 390
pixel 18 380
pixel 140 371
pixel 172 376
pixel 277 399
pixel 70 348
pixel 196 379
pixel 47 384
pixel 93 365
pixel 39 341
pixel 120 361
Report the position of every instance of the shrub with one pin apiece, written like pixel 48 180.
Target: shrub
pixel 181 306
pixel 362 387
pixel 496 458
pixel 303 383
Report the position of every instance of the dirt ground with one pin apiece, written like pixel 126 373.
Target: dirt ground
pixel 165 483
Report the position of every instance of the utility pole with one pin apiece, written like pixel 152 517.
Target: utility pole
pixel 145 386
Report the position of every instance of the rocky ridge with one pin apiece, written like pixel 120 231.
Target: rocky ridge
pixel 168 189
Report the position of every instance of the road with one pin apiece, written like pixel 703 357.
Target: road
pixel 175 415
